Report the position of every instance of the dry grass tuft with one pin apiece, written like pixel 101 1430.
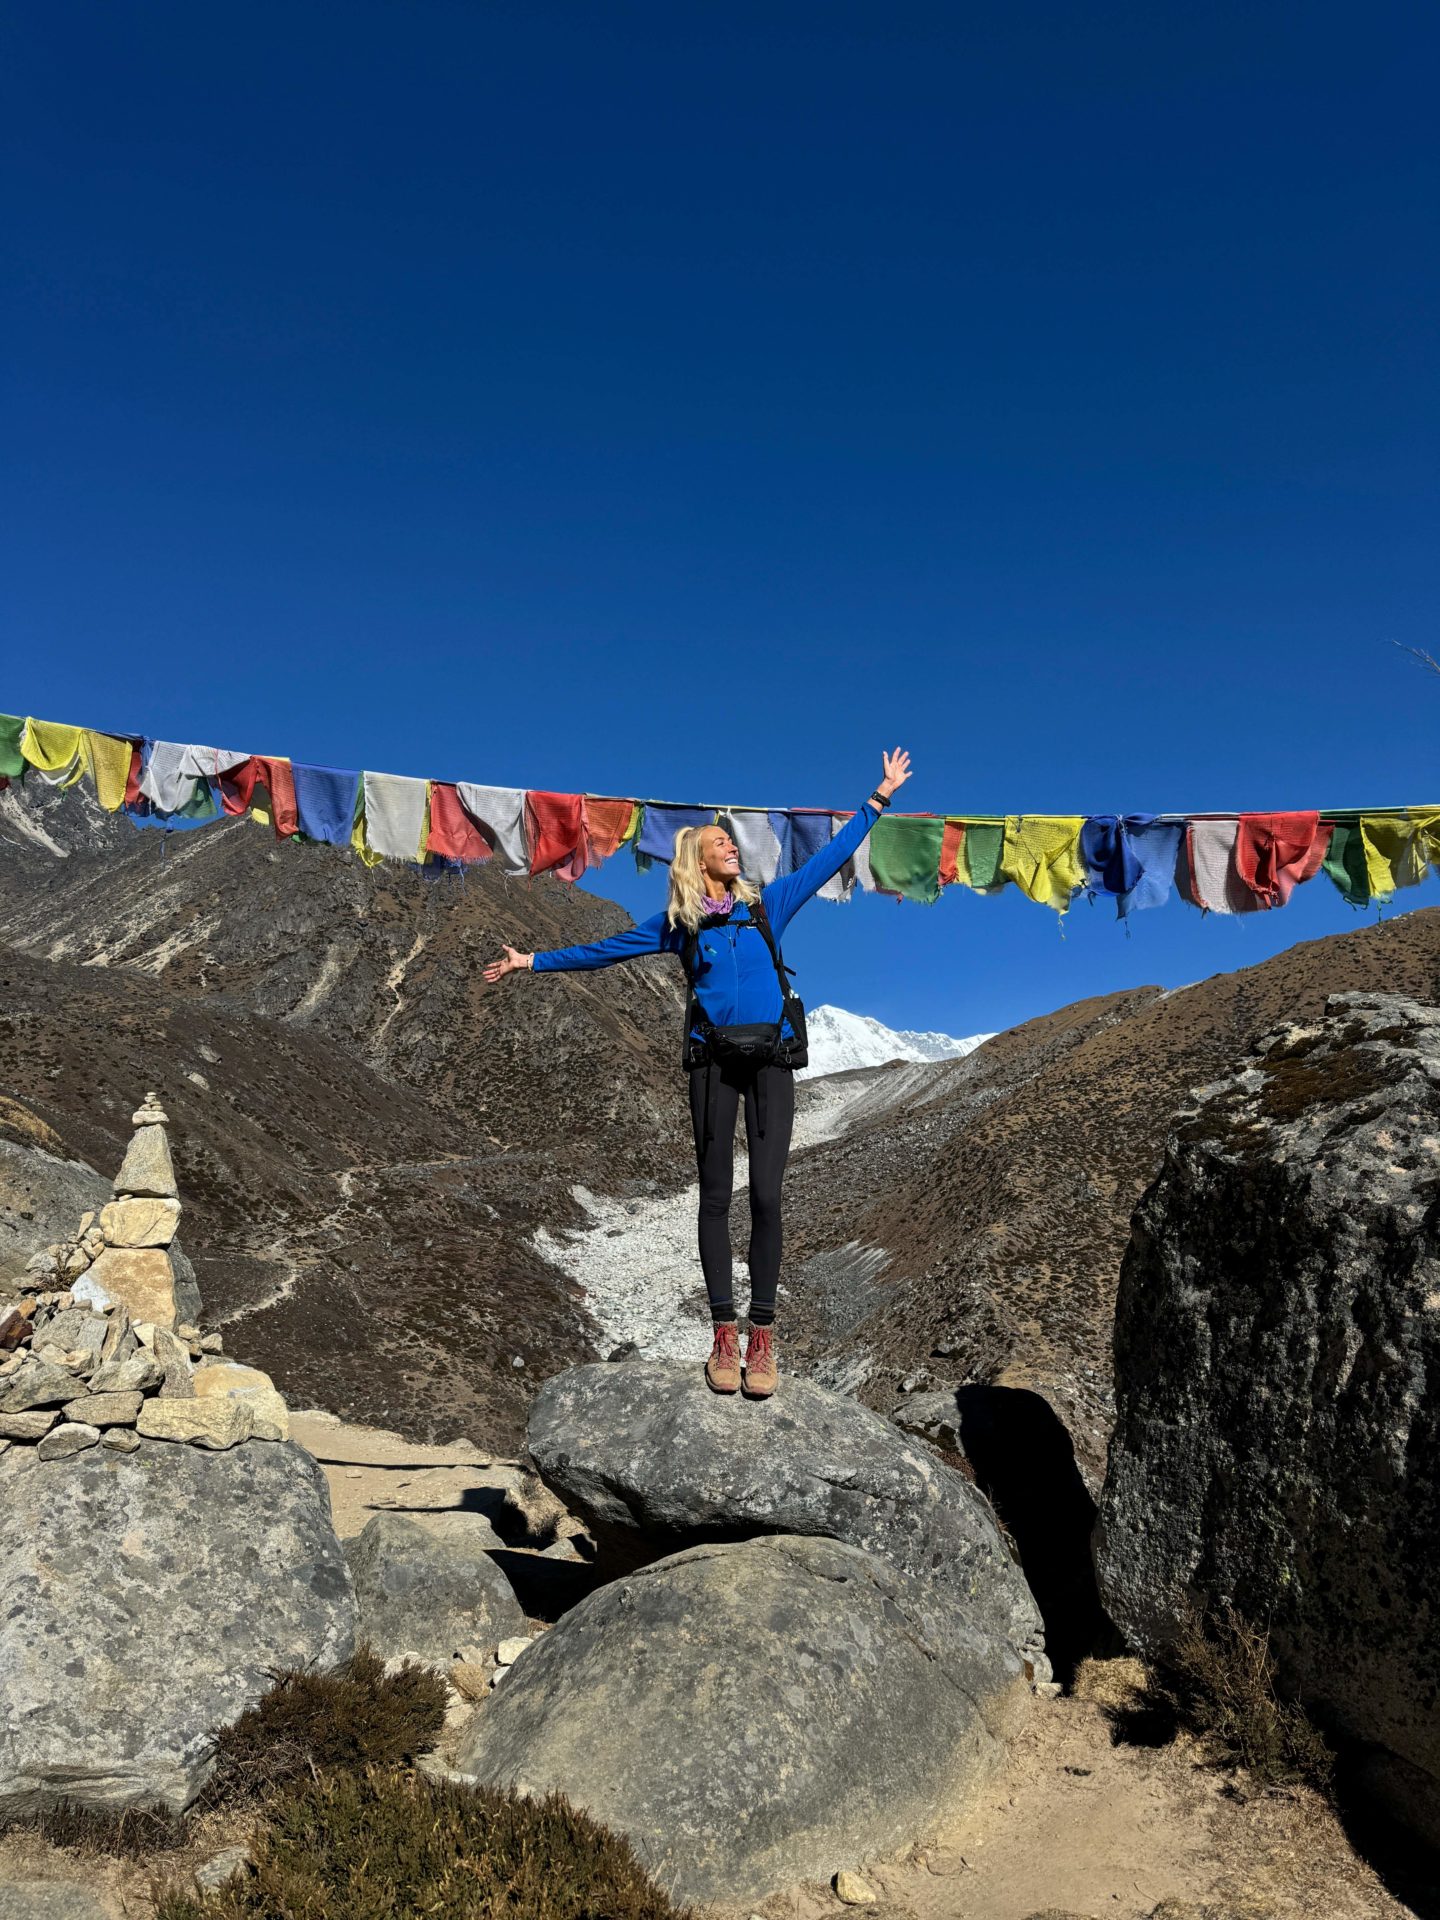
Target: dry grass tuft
pixel 1112 1684
pixel 130 1833
pixel 26 1129
pixel 1221 1677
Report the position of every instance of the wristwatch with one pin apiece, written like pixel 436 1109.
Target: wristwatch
pixel 880 799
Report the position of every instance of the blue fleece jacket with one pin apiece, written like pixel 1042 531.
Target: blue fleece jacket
pixel 736 983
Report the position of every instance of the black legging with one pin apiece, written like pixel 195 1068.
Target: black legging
pixel 769 1096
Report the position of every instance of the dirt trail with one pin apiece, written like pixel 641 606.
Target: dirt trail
pixel 372 1471
pixel 1078 1827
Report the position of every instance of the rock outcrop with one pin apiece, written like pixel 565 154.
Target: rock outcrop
pixel 1277 1353
pixel 756 1712
pixel 431 1589
pixel 646 1452
pixel 145 1599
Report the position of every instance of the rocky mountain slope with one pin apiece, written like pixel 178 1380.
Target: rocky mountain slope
pixel 366 1134
pixel 969 1221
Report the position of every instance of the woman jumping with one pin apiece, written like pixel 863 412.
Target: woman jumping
pixel 736 982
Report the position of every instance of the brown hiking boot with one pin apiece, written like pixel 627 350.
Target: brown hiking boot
pixel 722 1369
pixel 761 1375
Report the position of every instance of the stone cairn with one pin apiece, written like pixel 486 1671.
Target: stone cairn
pixel 96 1358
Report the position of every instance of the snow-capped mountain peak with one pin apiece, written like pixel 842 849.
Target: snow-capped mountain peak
pixel 841 1040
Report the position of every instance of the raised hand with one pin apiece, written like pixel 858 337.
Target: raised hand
pixel 897 769
pixel 514 962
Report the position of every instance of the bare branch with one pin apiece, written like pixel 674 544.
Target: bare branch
pixel 1425 659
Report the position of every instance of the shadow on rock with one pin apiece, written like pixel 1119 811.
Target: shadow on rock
pixel 1409 1869
pixel 1024 1463
pixel 548 1589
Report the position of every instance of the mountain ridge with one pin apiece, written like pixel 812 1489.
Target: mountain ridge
pixel 841 1041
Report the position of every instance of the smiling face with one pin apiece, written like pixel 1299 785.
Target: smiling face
pixel 719 860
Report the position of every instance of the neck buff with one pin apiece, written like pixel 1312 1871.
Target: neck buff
pixel 722 905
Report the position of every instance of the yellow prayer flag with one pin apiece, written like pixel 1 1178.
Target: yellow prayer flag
pixel 1041 854
pixel 55 751
pixel 1399 850
pixel 109 762
pixel 357 840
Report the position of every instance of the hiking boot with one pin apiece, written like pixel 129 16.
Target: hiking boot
pixel 722 1369
pixel 760 1371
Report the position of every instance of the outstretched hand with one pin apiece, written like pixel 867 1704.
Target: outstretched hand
pixel 514 962
pixel 897 769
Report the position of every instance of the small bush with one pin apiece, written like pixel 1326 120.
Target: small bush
pixel 355 1717
pixel 392 1846
pixel 1221 1678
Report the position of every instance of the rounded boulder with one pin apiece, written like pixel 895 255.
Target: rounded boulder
pixel 756 1712
pixel 145 1599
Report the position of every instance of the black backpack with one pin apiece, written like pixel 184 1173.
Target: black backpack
pixel 759 1045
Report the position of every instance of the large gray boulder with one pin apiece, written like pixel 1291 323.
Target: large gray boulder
pixel 430 1587
pixel 647 1452
pixel 1277 1364
pixel 754 1713
pixel 144 1600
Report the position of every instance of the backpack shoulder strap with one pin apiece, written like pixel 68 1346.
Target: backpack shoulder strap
pixel 761 919
pixel 687 954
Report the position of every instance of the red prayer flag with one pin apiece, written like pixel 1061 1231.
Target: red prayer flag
pixel 950 846
pixel 237 790
pixel 453 833
pixel 557 834
pixel 1274 852
pixel 133 795
pixel 606 824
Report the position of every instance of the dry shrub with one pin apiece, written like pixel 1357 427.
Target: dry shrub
pixel 355 1717
pixel 396 1846
pixel 1218 1679
pixel 1221 1677
pixel 352 1718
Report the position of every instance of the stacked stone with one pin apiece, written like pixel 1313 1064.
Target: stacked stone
pixel 102 1363
pixel 124 1255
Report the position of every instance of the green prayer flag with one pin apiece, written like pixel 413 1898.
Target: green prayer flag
pixel 905 855
pixel 984 843
pixel 201 804
pixel 1345 860
pixel 12 761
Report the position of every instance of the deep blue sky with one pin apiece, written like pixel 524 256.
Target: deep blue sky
pixel 692 401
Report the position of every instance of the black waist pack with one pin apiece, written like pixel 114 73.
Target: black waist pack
pixel 760 1044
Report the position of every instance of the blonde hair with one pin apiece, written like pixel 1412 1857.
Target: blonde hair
pixel 688 885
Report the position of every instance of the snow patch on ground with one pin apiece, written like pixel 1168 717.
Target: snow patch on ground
pixel 638 1261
